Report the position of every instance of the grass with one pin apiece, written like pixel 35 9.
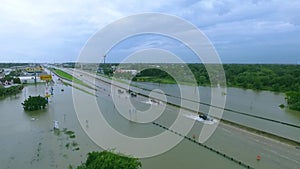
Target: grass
pixel 155 80
pixel 165 81
pixel 74 144
pixel 69 132
pixel 68 145
pixel 69 77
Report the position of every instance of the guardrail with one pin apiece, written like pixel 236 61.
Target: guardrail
pixel 205 146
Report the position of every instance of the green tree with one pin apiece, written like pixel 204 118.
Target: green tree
pixel 11 90
pixel 293 100
pixel 35 103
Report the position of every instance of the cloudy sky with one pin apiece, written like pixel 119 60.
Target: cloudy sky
pixel 248 31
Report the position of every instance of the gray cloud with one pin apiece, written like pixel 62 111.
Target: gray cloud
pixel 57 29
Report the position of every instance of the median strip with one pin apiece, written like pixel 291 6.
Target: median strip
pixel 205 146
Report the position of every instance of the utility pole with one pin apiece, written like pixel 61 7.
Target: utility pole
pixel 34 77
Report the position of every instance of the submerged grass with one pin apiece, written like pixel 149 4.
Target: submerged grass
pixel 69 132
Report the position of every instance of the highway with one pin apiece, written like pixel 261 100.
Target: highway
pixel 237 143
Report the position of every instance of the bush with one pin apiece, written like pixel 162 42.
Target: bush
pixel 35 103
pixel 110 160
pixel 293 100
pixel 11 90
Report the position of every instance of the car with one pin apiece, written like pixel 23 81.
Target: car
pixel 132 94
pixel 203 116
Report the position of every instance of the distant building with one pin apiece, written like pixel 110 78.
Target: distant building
pixel 68 65
pixel 133 72
pixel 29 79
pixel 7 83
pixel 7 71
pixel 34 69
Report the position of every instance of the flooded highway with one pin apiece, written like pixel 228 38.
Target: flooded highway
pixel 28 139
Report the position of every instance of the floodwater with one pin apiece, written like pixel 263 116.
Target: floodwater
pixel 29 142
pixel 263 104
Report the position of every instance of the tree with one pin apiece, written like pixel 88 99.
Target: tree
pixel 35 103
pixel 110 160
pixel 293 100
pixel 11 90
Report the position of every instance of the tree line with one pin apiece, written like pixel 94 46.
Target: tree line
pixel 271 77
pixel 9 65
pixel 10 91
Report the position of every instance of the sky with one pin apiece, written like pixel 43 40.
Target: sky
pixel 248 31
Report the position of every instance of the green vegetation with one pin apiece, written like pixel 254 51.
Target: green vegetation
pixel 15 73
pixel 293 100
pixel 35 103
pixel 69 132
pixel 69 77
pixel 278 78
pixel 9 65
pixel 16 80
pixel 68 145
pixel 110 160
pixel 106 69
pixel 73 145
pixel 12 76
pixel 155 80
pixel 11 90
pixel 154 75
pixel 271 77
pixel 282 106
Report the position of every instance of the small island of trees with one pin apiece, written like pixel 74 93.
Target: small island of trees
pixel 35 103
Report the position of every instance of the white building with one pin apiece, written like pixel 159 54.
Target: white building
pixel 7 71
pixel 133 72
pixel 29 79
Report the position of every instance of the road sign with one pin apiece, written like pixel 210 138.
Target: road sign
pixel 46 77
